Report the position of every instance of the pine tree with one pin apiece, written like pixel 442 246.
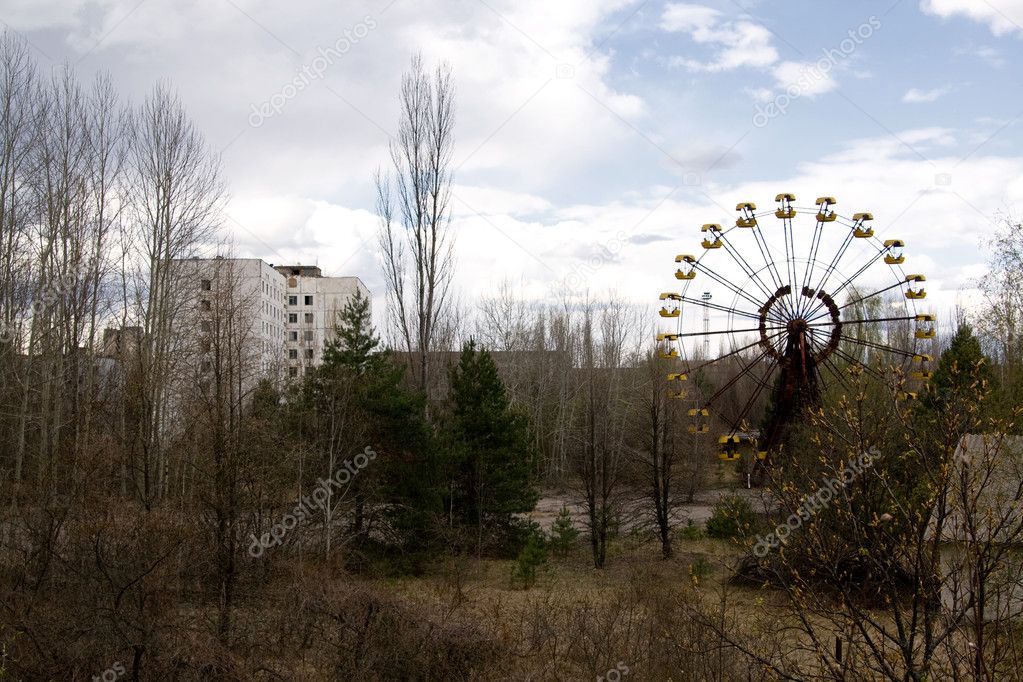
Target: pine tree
pixel 355 345
pixel 491 450
pixel 403 483
pixel 963 371
pixel 563 533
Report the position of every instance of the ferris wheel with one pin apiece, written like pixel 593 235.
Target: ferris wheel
pixel 806 300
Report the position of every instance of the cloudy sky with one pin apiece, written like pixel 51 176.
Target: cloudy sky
pixel 594 137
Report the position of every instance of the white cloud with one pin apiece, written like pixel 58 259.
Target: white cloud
pixel 807 78
pixel 680 16
pixel 1001 16
pixel 740 43
pixel 917 96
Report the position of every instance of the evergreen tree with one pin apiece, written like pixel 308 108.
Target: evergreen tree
pixel 355 345
pixel 963 370
pixel 403 483
pixel 491 451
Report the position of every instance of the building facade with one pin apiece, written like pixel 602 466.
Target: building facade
pixel 312 303
pixel 287 312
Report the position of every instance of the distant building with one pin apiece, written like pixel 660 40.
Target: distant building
pixel 291 310
pixel 312 304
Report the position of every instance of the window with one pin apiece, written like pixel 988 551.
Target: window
pixel 308 300
pixel 308 353
pixel 206 285
pixel 292 318
pixel 292 336
pixel 308 318
pixel 204 304
pixel 293 354
pixel 292 300
pixel 293 371
pixel 308 335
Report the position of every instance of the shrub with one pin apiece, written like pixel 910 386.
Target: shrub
pixel 563 533
pixel 732 517
pixel 532 557
pixel 691 531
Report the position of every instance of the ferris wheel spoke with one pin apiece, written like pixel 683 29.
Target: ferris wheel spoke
pixel 876 345
pixel 858 300
pixel 850 280
pixel 719 307
pixel 724 282
pixel 731 382
pixel 746 267
pixel 867 320
pixel 733 353
pixel 761 384
pixel 833 265
pixel 765 253
pixel 859 363
pixel 791 304
pixel 836 373
pixel 818 231
pixel 729 331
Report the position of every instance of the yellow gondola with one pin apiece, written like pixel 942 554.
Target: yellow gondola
pixel 916 294
pixel 824 214
pixel 665 336
pixel 858 230
pixel 687 271
pixel 921 375
pixel 747 220
pixel 894 255
pixel 667 354
pixel 678 395
pixel 708 244
pixel 905 395
pixel 785 211
pixel 700 427
pixel 670 296
pixel 677 376
pixel 673 312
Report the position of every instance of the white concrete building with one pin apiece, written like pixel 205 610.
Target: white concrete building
pixel 291 310
pixel 312 304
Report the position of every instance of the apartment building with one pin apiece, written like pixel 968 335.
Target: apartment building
pixel 291 310
pixel 312 304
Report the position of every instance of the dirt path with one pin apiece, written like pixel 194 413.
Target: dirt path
pixel 637 511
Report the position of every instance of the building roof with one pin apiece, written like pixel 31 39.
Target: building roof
pixel 985 500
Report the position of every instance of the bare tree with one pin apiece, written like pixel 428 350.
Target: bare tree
pixel 604 389
pixel 413 202
pixel 175 194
